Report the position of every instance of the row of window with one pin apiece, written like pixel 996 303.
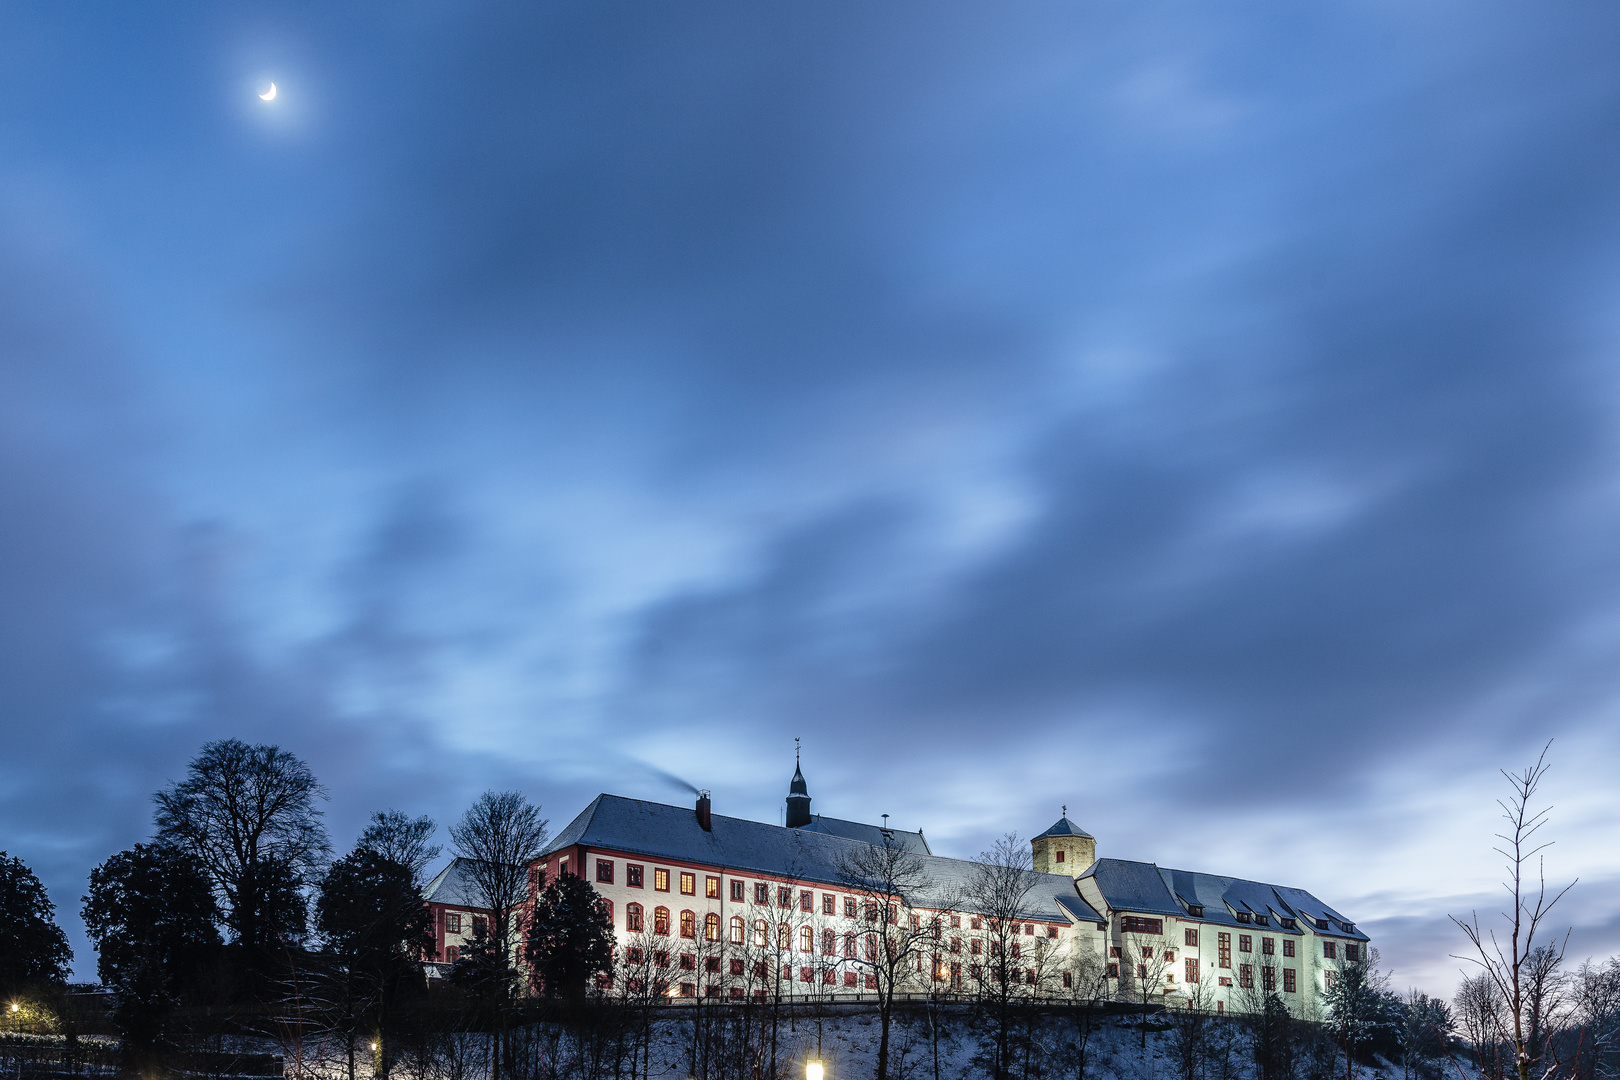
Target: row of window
pixel 1191 973
pixel 1245 944
pixel 452 924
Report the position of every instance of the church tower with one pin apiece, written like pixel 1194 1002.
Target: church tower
pixel 1065 848
pixel 798 800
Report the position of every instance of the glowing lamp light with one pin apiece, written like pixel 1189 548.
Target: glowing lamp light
pixel 373 1048
pixel 15 1007
pixel 812 1071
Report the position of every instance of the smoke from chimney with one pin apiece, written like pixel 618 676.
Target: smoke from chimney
pixel 703 811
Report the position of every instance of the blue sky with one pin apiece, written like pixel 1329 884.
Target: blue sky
pixel 1200 416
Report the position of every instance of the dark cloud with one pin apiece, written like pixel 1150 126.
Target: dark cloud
pixel 890 375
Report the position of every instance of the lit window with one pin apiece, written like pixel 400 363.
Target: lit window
pixel 688 884
pixel 661 921
pixel 737 931
pixel 711 927
pixel 688 924
pixel 661 880
pixel 711 888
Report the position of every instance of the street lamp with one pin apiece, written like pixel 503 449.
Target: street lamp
pixel 812 1071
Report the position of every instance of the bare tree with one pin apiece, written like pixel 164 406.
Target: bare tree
pixel 1596 994
pixel 1082 985
pixel 1478 1006
pixel 1144 960
pixel 499 835
pixel 249 815
pixel 1509 964
pixel 998 895
pixel 884 879
pixel 403 839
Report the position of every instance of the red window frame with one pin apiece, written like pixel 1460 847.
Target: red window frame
pixel 633 875
pixel 604 871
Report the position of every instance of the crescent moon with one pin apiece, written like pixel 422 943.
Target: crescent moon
pixel 270 94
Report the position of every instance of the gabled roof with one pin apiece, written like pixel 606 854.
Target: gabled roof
pixel 1222 897
pixel 656 830
pixel 1145 887
pixel 453 886
pixel 1065 827
pixel 1132 886
pixel 871 834
pixel 1079 909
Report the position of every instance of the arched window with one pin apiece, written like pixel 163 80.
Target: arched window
pixel 737 929
pixel 871 947
pixel 807 939
pixel 609 905
pixel 784 936
pixel 632 918
pixel 849 945
pixel 762 933
pixel 688 925
pixel 661 921
pixel 711 927
pixel 829 942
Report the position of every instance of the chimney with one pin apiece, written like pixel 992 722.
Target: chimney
pixel 703 811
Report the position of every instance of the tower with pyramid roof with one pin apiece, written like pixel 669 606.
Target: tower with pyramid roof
pixel 1065 848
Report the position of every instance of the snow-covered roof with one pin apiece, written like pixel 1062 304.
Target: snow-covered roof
pixel 1150 889
pixel 871 834
pixel 657 830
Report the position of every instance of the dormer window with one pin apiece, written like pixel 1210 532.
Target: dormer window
pixel 1195 910
pixel 1287 924
pixel 1243 916
pixel 1263 920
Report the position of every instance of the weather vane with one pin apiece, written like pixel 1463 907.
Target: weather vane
pixel 1065 809
pixel 795 749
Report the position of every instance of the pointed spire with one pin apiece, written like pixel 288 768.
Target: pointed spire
pixel 798 800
